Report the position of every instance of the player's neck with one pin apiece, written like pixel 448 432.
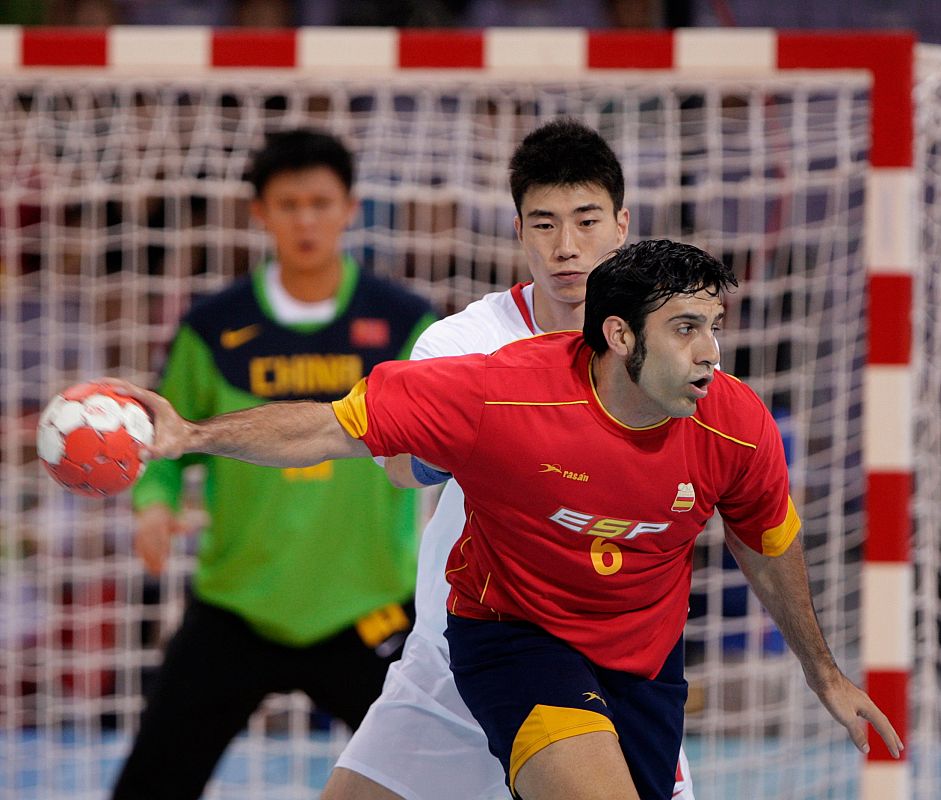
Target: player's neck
pixel 621 397
pixel 552 315
pixel 312 283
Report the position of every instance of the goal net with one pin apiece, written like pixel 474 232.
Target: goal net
pixel 123 199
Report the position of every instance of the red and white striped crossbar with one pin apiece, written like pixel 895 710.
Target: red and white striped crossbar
pixel 891 236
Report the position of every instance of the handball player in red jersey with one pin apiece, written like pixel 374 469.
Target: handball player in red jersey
pixel 590 462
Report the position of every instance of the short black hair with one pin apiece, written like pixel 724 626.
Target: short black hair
pixel 565 152
pixel 301 148
pixel 638 279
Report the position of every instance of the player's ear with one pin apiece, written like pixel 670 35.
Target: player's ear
pixel 518 227
pixel 353 209
pixel 618 335
pixel 258 211
pixel 624 221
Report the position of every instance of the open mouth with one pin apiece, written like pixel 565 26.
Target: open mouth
pixel 701 386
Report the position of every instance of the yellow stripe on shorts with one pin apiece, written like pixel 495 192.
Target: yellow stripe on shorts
pixel 548 724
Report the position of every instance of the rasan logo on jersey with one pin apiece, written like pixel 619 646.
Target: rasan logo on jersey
pixel 581 477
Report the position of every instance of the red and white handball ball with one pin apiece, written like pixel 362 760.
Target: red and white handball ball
pixel 89 438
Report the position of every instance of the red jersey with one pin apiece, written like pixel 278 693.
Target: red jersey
pixel 576 522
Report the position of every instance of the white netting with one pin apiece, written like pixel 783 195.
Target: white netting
pixel 122 199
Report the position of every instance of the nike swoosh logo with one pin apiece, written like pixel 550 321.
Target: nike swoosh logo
pixel 231 339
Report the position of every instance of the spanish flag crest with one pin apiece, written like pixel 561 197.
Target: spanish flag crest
pixel 685 497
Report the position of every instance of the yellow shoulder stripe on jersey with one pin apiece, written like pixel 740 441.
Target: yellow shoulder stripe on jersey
pixel 702 424
pixel 548 724
pixel 776 540
pixel 524 403
pixel 351 410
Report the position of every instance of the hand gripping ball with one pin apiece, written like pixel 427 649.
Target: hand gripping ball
pixel 89 438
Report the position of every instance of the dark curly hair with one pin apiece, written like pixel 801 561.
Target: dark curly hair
pixel 638 279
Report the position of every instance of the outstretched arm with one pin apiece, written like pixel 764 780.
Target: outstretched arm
pixel 782 586
pixel 288 434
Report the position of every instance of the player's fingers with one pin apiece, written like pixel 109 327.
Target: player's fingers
pixel 126 387
pixel 858 734
pixel 152 537
pixel 152 401
pixel 152 552
pixel 169 426
pixel 883 727
pixel 153 563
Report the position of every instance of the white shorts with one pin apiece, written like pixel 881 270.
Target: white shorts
pixel 420 741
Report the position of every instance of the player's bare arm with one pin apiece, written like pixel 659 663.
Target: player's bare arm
pixel 782 586
pixel 286 434
pixel 399 472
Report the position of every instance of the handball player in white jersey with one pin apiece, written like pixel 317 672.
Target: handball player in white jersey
pixel 418 740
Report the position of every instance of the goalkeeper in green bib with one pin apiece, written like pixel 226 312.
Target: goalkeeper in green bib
pixel 305 577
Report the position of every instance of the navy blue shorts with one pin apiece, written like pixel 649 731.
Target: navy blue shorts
pixel 528 688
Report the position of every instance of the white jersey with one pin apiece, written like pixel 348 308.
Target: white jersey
pixel 484 326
